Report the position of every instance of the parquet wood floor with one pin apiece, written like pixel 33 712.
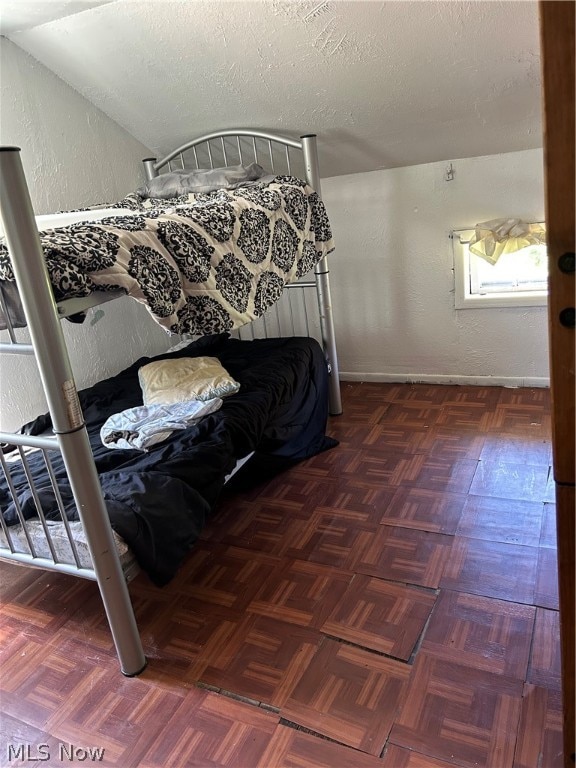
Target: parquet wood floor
pixel 391 602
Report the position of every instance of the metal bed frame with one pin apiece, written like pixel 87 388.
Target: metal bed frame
pixel 48 346
pixel 241 146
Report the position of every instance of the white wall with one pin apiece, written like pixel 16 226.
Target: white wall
pixel 73 156
pixel 392 279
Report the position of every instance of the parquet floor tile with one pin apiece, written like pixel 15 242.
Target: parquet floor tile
pixel 45 603
pixel 313 470
pixel 227 514
pixel 403 554
pixel 465 416
pixel 331 538
pixel 412 414
pixel 544 667
pixel 390 602
pixel 175 643
pixel 259 658
pixel 548 533
pixel 301 593
pixel 228 582
pixel 488 397
pixel 453 444
pixel 292 748
pixel 439 474
pixel 211 730
pixel 367 391
pixel 546 589
pixel 266 527
pixel 94 644
pixel 424 510
pixel 505 520
pixel 75 696
pixel 492 569
pixel 381 615
pixel 398 757
pixel 295 489
pixel 540 733
pixel 550 494
pixel 351 434
pixel 365 403
pixel 15 579
pixel 383 436
pixel 150 604
pixel 425 394
pixel 458 713
pixel 173 627
pixel 510 481
pixel 529 397
pixel 37 679
pixel 371 465
pixel 201 557
pixel 480 632
pixel 520 418
pixel 22 745
pixel 114 714
pixel 357 499
pixel 348 694
pixel 517 449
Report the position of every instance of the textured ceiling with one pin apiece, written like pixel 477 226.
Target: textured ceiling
pixel 384 84
pixel 17 15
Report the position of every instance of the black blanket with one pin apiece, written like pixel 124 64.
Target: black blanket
pixel 158 501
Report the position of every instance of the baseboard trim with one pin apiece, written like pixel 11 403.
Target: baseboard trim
pixel 432 378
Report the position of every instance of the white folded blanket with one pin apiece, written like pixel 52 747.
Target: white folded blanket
pixel 46 221
pixel 142 427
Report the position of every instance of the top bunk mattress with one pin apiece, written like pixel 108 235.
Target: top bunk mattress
pixel 200 263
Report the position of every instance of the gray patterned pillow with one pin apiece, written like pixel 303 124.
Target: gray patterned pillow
pixel 183 182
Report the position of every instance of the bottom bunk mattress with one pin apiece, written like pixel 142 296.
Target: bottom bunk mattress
pixel 35 535
pixel 159 500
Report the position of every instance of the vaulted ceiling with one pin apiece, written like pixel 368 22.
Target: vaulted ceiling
pixel 384 84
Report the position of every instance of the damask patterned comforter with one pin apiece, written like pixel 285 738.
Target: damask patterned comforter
pixel 201 264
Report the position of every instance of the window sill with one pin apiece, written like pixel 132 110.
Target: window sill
pixel 495 301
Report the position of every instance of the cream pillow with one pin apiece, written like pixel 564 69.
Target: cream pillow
pixel 185 378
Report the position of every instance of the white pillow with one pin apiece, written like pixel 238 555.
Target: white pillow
pixel 185 378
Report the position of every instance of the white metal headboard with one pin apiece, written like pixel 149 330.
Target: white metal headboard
pixel 240 146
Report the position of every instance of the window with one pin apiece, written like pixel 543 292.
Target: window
pixel 518 279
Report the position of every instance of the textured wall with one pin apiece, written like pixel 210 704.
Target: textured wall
pixel 73 156
pixel 392 279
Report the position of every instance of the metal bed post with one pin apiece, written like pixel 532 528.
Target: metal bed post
pixel 67 418
pixel 321 272
pixel 149 169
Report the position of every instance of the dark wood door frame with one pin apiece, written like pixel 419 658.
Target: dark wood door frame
pixel 558 65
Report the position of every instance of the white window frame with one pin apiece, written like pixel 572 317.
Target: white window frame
pixel 464 299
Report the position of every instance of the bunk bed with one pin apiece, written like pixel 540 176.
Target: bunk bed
pixel 61 492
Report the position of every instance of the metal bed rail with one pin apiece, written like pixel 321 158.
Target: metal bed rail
pixel 280 155
pixel 70 434
pixel 28 551
pixel 294 314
